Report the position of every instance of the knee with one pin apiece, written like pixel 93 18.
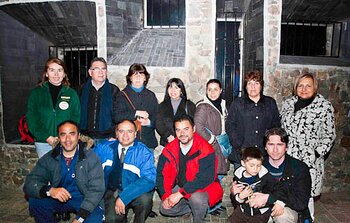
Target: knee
pixel 199 198
pixel 145 199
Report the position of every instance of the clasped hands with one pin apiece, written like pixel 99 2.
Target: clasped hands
pixel 172 200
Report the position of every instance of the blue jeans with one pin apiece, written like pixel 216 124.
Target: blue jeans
pixel 42 148
pixel 43 210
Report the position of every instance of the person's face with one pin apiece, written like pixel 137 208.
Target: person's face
pixel 253 89
pixel 213 91
pixel 276 148
pixel 184 132
pixel 55 74
pixel 98 72
pixel 174 91
pixel 69 137
pixel 125 133
pixel 138 79
pixel 306 88
pixel 252 166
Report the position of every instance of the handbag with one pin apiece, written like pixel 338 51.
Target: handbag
pixel 137 122
pixel 224 143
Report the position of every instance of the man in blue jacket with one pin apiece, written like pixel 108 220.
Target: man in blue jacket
pixel 67 179
pixel 130 174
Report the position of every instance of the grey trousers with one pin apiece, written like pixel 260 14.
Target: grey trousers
pixel 197 205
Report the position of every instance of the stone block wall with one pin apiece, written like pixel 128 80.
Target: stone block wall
pixel 124 20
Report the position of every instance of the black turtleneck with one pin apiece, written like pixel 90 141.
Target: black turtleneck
pixel 54 91
pixel 302 103
pixel 217 103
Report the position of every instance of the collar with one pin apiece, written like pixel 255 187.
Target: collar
pixel 97 87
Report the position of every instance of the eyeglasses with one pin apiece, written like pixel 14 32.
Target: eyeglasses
pixel 97 69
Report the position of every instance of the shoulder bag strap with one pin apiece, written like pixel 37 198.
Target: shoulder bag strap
pixel 127 97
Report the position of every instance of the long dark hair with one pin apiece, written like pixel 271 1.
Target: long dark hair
pixel 179 84
pixel 60 62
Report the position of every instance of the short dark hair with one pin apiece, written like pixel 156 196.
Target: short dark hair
pixel 214 81
pixel 179 84
pixel 125 120
pixel 251 153
pixel 136 67
pixel 100 59
pixel 69 122
pixel 276 131
pixel 256 76
pixel 182 118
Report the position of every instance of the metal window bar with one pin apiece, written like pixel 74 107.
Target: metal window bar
pixel 307 38
pixel 165 13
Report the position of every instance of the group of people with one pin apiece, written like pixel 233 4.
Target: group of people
pixel 278 157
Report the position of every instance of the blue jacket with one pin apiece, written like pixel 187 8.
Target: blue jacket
pixel 138 173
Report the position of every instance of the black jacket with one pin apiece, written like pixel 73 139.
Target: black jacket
pixel 165 118
pixel 247 122
pixel 294 188
pixel 146 101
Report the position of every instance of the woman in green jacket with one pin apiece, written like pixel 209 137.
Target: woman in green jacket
pixel 51 102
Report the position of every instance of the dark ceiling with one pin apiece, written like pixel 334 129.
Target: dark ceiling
pixel 62 23
pixel 316 10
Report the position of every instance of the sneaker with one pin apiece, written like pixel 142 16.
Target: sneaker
pixel 152 214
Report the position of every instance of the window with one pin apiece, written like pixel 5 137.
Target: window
pixel 164 13
pixel 311 39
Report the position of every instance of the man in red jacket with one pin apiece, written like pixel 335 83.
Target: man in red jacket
pixel 187 173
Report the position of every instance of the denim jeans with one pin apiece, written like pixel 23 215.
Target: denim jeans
pixel 197 204
pixel 42 148
pixel 43 210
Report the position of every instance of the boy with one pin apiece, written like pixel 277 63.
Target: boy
pixel 251 177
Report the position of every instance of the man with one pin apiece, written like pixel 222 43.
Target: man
pixel 97 100
pixel 294 182
pixel 130 174
pixel 186 173
pixel 67 179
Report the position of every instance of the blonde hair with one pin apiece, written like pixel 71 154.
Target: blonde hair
pixel 302 77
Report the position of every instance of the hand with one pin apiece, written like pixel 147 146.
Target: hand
pixel 75 221
pixel 119 207
pixel 257 200
pixel 277 210
pixel 51 140
pixel 170 138
pixel 236 188
pixel 247 192
pixel 144 121
pixel 174 198
pixel 60 194
pixel 166 204
pixel 142 114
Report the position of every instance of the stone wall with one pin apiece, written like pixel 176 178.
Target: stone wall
pixel 253 37
pixel 124 20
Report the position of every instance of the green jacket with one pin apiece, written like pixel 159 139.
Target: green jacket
pixel 43 117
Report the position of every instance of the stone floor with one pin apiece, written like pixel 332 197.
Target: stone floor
pixel 331 208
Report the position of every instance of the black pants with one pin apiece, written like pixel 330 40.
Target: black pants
pixel 141 206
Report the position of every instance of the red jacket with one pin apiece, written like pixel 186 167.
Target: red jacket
pixel 201 170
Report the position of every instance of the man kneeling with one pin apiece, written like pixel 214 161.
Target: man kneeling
pixel 186 174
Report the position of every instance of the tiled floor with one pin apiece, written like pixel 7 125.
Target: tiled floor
pixel 331 208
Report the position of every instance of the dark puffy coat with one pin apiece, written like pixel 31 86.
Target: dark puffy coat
pixel 247 122
pixel 146 101
pixel 89 178
pixel 165 118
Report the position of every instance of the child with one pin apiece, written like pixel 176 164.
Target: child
pixel 251 177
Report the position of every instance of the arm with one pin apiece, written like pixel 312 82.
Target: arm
pixel 164 123
pixel 75 107
pixel 234 128
pixel 123 109
pixel 145 183
pixel 276 121
pixel 200 120
pixel 165 177
pixel 153 110
pixel 326 131
pixel 95 186
pixel 204 177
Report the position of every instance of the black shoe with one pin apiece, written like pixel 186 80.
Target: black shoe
pixel 152 214
pixel 215 213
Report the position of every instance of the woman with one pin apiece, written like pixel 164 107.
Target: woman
pixel 136 102
pixel 210 120
pixel 308 119
pixel 250 116
pixel 51 103
pixel 175 104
